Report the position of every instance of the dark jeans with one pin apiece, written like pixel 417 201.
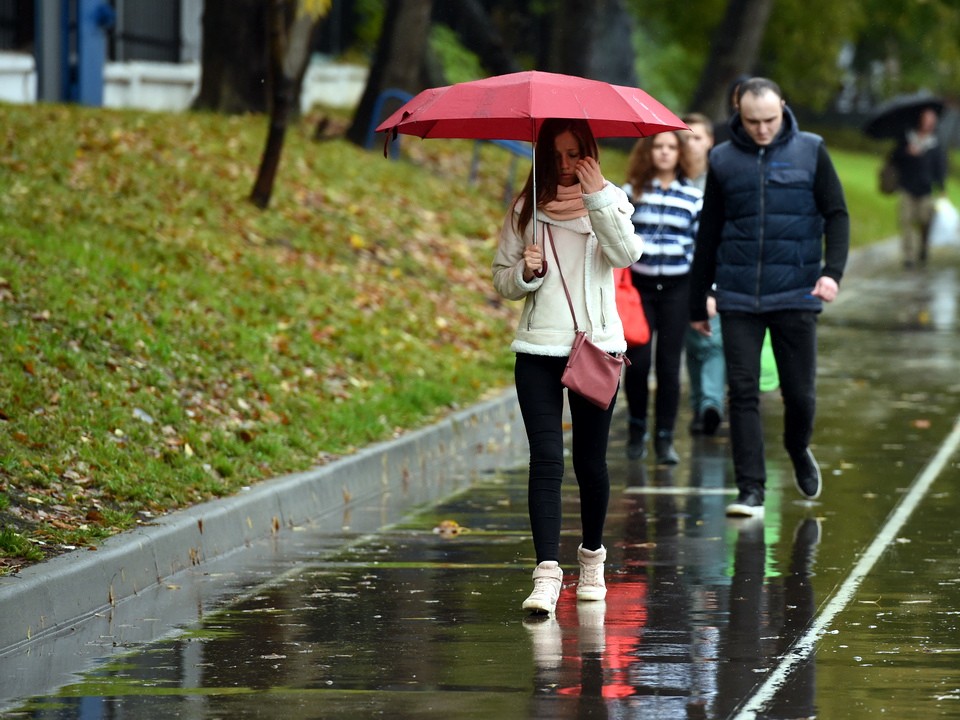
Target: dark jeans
pixel 666 303
pixel 793 335
pixel 540 395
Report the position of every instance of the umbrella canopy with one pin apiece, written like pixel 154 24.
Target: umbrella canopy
pixel 514 106
pixel 893 118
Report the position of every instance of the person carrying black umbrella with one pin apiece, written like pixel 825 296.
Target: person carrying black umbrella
pixel 921 165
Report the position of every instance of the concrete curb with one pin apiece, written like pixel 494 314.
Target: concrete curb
pixel 419 467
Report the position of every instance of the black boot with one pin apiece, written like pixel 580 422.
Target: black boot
pixel 663 448
pixel 637 444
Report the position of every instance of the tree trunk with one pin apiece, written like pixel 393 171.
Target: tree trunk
pixel 613 57
pixel 281 101
pixel 733 51
pixel 476 30
pixel 234 57
pixel 573 37
pixel 290 37
pixel 398 62
pixel 593 39
pixel 300 42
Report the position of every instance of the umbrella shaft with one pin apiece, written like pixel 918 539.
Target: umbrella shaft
pixel 533 174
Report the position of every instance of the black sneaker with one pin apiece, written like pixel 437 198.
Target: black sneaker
pixel 637 444
pixel 711 420
pixel 806 537
pixel 663 448
pixel 749 503
pixel 696 425
pixel 807 474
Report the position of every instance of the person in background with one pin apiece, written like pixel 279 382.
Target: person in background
pixel 773 238
pixel 721 129
pixel 586 220
pixel 704 353
pixel 667 212
pixel 697 149
pixel 921 165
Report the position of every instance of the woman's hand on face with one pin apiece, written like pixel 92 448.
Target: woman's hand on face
pixel 589 175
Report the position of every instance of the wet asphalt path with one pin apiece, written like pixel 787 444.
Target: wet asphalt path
pixel 846 607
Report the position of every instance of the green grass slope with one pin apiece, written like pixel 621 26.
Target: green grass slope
pixel 165 342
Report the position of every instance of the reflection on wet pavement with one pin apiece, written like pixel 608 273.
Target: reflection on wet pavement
pixel 423 620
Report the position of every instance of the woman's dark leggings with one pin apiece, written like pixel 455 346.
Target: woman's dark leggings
pixel 666 303
pixel 540 395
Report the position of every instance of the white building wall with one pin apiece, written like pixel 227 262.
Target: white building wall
pixel 150 85
pixel 173 87
pixel 333 85
pixel 18 78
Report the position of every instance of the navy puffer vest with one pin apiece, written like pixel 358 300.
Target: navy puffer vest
pixel 769 257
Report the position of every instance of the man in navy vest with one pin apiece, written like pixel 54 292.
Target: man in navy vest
pixel 774 236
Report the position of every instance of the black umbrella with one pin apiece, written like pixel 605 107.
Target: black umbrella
pixel 893 118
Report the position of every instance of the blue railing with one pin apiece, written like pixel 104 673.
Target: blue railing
pixel 387 95
pixel 515 148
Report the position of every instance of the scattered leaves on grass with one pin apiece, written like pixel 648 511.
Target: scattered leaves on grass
pixel 168 343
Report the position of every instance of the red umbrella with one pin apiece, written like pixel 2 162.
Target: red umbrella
pixel 514 106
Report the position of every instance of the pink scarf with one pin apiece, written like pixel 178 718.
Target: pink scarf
pixel 567 205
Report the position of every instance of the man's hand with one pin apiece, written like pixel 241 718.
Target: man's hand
pixel 826 289
pixel 702 327
pixel 711 306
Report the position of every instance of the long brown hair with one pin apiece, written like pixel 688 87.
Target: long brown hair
pixel 546 164
pixel 640 169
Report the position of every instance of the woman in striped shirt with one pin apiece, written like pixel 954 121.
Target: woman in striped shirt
pixel 666 216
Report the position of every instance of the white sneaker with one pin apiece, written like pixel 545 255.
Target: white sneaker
pixel 593 638
pixel 546 641
pixel 591 586
pixel 547 580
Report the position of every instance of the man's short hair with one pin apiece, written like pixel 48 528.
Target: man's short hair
pixel 696 118
pixel 758 86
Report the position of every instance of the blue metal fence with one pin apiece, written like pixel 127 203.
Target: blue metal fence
pixel 515 148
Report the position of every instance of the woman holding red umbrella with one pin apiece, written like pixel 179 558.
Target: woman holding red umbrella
pixel 583 224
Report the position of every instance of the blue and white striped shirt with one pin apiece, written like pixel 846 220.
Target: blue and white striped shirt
pixel 667 219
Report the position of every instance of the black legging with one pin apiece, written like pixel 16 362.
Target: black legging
pixel 666 304
pixel 540 395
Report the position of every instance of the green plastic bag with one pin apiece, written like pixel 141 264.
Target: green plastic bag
pixel 769 377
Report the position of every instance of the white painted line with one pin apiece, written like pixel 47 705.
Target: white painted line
pixel 640 490
pixel 888 534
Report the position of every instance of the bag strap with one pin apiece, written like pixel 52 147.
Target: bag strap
pixel 556 259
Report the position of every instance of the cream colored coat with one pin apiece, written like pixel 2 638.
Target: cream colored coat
pixel 589 248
